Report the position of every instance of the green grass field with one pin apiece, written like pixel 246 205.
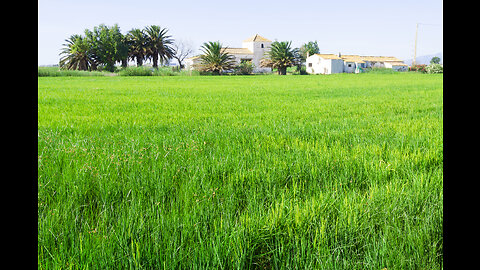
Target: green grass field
pixel 341 171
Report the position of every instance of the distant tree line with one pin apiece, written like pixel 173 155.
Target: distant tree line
pixel 105 46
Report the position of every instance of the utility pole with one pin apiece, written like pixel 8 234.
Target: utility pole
pixel 415 52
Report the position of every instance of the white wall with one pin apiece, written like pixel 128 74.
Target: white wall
pixel 239 57
pixel 190 62
pixel 348 69
pixel 395 67
pixel 258 53
pixel 312 64
pixel 377 64
pixel 323 66
pixel 336 66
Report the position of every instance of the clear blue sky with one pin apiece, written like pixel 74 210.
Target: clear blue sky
pixel 369 27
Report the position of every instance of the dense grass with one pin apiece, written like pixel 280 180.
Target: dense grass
pixel 241 172
pixel 129 71
pixel 160 71
pixel 57 72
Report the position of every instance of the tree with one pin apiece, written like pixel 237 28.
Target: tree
pixel 107 45
pixel 158 44
pixel 280 56
pixel 137 45
pixel 77 54
pixel 215 59
pixel 182 50
pixel 309 48
pixel 122 50
pixel 435 60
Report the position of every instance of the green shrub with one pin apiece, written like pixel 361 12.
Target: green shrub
pixel 184 72
pixel 161 71
pixel 57 72
pixel 297 71
pixel 434 68
pixel 165 71
pixel 245 68
pixel 418 68
pixel 136 71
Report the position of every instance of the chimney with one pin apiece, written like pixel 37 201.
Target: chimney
pixel 308 54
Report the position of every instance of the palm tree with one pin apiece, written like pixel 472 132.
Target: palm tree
pixel 137 45
pixel 77 54
pixel 215 59
pixel 281 56
pixel 158 44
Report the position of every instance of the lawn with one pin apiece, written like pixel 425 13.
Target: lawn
pixel 340 171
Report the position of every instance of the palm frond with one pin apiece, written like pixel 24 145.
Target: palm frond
pixel 215 58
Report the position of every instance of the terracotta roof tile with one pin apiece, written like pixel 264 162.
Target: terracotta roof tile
pixel 238 51
pixel 257 38
pixel 328 56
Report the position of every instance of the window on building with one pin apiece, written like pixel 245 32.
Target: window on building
pixel 261 46
pixel 309 64
pixel 349 65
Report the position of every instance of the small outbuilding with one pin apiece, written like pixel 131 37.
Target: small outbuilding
pixel 324 64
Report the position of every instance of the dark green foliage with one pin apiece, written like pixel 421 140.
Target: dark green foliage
pixel 309 48
pixel 158 45
pixel 77 54
pixel 137 45
pixel 107 45
pixel 215 59
pixel 244 68
pixel 104 46
pixel 435 60
pixel 281 56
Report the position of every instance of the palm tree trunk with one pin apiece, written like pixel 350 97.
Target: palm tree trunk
pixel 155 61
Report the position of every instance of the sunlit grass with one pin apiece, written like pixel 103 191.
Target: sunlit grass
pixel 241 172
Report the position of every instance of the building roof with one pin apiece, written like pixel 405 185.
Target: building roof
pixel 257 38
pixel 327 56
pixel 193 57
pixel 380 58
pixel 230 51
pixel 356 58
pixel 395 63
pixel 352 58
pixel 238 51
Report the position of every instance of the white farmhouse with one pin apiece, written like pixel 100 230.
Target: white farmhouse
pixel 330 63
pixel 380 61
pixel 353 63
pixel 253 50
